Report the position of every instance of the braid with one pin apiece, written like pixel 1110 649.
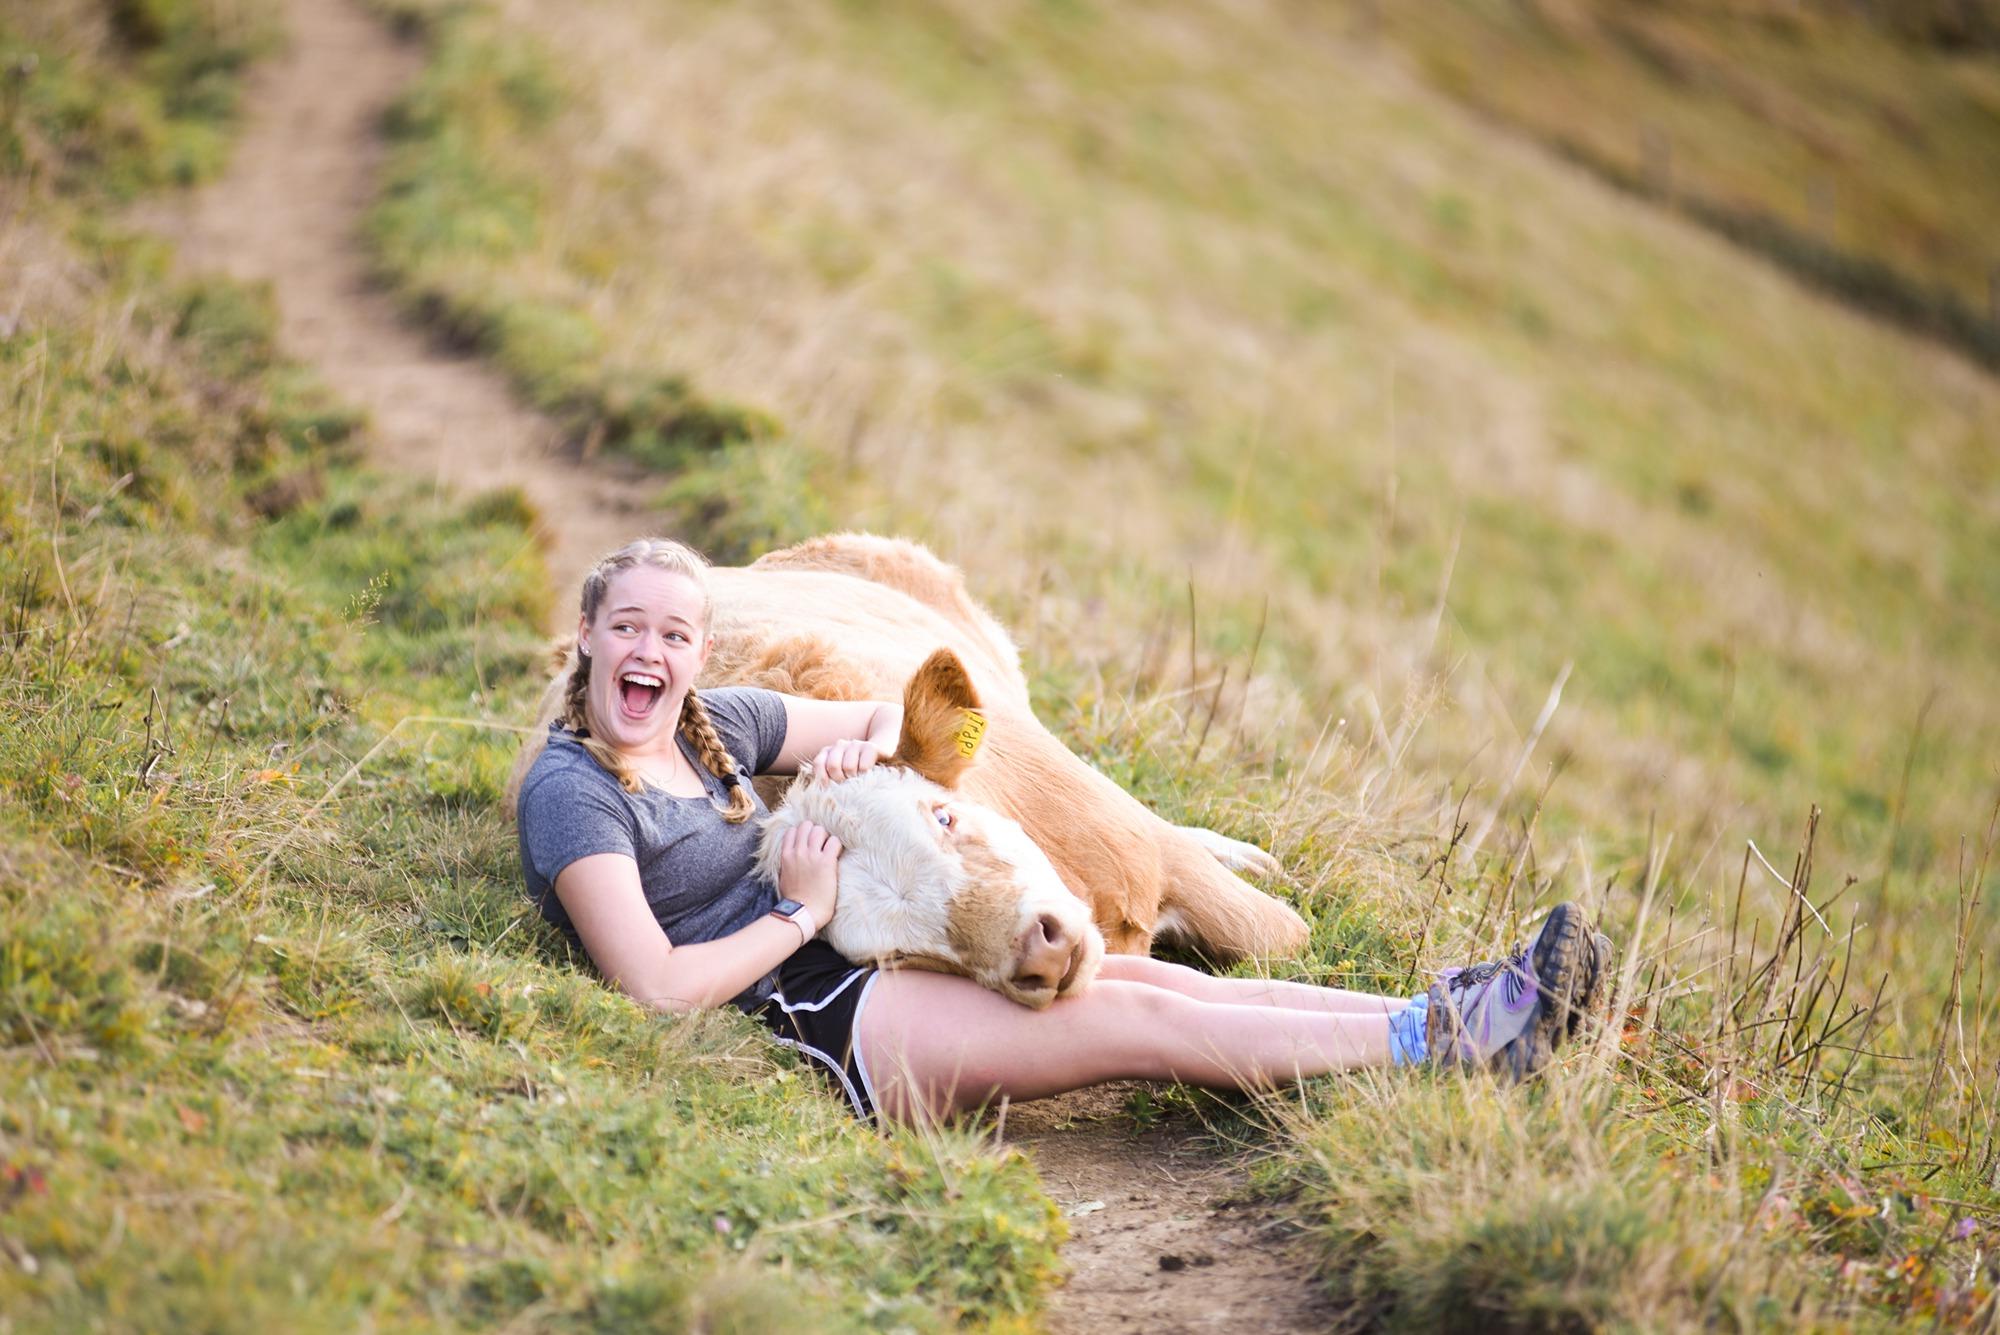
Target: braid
pixel 699 729
pixel 575 691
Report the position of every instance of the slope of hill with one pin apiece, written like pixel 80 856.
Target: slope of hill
pixel 1858 161
pixel 1563 548
pixel 279 1048
pixel 1362 480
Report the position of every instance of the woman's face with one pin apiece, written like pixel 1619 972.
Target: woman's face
pixel 647 646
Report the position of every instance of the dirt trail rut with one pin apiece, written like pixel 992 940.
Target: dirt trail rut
pixel 1158 1240
pixel 1155 1245
pixel 289 213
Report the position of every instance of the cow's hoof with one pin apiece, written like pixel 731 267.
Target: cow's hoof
pixel 1240 857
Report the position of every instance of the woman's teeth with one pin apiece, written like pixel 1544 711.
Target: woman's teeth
pixel 639 692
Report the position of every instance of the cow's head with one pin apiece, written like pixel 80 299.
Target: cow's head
pixel 928 880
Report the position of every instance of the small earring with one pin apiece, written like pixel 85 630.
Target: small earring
pixel 583 649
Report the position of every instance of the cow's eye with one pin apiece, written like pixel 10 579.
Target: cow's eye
pixel 943 816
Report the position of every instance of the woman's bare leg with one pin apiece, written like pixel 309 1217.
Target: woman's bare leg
pixel 1247 991
pixel 934 1044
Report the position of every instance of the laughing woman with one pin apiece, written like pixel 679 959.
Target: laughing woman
pixel 638 842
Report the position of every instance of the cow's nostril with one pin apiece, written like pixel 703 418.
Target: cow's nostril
pixel 1052 929
pixel 1070 966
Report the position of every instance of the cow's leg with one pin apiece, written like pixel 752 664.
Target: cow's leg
pixel 1246 991
pixel 1219 914
pixel 1240 857
pixel 933 1044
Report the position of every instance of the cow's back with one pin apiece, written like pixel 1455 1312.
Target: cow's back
pixel 899 566
pixel 838 636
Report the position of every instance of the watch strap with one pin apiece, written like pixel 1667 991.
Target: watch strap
pixel 800 917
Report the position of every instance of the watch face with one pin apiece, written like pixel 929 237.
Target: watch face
pixel 785 908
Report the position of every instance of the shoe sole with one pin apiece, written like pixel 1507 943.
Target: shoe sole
pixel 1567 972
pixel 1595 994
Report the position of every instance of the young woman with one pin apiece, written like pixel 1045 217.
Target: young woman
pixel 637 841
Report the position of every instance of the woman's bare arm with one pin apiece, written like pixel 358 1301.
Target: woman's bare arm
pixel 608 908
pixel 839 737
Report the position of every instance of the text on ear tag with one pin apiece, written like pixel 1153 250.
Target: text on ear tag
pixel 970 732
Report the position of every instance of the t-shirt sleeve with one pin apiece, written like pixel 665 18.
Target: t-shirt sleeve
pixel 751 723
pixel 564 816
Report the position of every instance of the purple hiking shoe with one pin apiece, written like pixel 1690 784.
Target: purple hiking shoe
pixel 1509 1015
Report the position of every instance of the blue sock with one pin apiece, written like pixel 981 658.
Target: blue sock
pixel 1406 1032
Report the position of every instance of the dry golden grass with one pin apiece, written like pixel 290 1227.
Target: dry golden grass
pixel 1097 317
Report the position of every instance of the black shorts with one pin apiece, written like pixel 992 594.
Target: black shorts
pixel 815 1010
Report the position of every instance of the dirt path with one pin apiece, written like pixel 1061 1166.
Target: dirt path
pixel 1158 1239
pixel 289 213
pixel 1156 1245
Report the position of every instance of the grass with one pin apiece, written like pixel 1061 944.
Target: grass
pixel 281 1044
pixel 1310 432
pixel 1801 132
pixel 461 193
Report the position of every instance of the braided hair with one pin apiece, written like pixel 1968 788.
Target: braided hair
pixel 567 698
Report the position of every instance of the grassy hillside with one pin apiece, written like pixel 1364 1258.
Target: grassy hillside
pixel 1851 144
pixel 1367 483
pixel 1454 410
pixel 280 1045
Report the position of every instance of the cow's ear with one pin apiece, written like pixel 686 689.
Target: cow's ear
pixel 942 725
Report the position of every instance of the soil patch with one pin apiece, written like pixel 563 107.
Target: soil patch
pixel 1161 1237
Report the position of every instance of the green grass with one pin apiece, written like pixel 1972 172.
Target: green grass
pixel 461 193
pixel 282 1045
pixel 108 100
pixel 1307 431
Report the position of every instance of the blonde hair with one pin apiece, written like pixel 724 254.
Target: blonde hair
pixel 565 698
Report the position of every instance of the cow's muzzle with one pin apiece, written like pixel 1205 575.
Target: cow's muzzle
pixel 1053 958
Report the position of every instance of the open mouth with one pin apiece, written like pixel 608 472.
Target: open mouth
pixel 638 692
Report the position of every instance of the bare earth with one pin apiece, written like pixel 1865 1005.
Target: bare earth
pixel 1171 1249
pixel 289 214
pixel 1157 1243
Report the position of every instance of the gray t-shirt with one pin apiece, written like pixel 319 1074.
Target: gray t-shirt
pixel 694 865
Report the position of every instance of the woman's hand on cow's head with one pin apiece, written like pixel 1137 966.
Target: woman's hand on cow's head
pixel 844 759
pixel 808 869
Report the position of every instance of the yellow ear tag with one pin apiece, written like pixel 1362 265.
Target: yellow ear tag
pixel 970 732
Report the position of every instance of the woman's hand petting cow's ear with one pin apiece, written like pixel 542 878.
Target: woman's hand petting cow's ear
pixel 843 760
pixel 809 869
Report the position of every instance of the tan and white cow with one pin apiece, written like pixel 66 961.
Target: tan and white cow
pixel 855 616
pixel 928 880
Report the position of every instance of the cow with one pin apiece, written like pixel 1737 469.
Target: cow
pixel 930 881
pixel 856 616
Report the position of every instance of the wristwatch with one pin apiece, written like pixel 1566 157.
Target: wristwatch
pixel 799 916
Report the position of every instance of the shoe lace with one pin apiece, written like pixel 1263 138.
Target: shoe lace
pixel 1467 977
